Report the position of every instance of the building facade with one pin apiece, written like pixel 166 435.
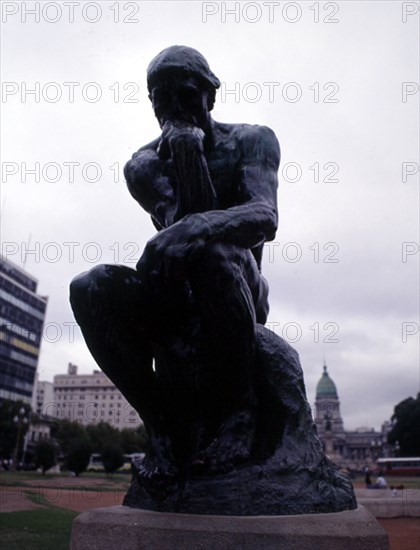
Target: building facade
pixel 22 314
pixel 90 399
pixel 43 395
pixel 350 449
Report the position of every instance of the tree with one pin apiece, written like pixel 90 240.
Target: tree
pixel 45 454
pixel 134 441
pixel 406 429
pixel 66 432
pixel 78 455
pixel 112 457
pixel 102 434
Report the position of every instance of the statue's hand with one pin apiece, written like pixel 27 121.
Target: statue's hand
pixel 179 137
pixel 170 250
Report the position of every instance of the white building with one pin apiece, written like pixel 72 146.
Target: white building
pixel 43 396
pixel 90 399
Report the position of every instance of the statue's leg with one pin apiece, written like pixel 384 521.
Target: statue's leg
pixel 228 288
pixel 111 305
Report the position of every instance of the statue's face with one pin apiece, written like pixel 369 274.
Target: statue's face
pixel 179 97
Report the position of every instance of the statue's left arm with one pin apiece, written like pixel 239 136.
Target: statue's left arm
pixel 249 223
pixel 254 220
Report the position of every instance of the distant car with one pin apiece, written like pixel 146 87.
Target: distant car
pixel 95 463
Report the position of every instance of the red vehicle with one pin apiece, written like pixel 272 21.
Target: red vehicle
pixel 409 466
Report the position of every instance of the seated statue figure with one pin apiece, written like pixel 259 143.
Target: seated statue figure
pixel 182 336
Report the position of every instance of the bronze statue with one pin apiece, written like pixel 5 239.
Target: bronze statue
pixel 182 336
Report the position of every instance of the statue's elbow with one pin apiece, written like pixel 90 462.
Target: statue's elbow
pixel 128 173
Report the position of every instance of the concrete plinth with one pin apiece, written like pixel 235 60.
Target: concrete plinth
pixel 132 529
pixel 384 503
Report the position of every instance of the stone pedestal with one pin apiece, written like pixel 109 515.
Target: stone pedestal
pixel 133 529
pixel 384 503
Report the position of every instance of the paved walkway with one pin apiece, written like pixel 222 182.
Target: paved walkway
pixel 16 499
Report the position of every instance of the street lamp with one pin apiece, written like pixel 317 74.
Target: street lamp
pixel 21 420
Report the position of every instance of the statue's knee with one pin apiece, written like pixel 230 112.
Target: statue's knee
pixel 83 286
pixel 78 288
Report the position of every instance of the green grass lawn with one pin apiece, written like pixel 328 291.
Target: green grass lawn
pixel 47 528
pixel 42 529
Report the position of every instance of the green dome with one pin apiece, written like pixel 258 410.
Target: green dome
pixel 326 387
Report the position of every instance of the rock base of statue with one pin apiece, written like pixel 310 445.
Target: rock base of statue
pixel 294 476
pixel 122 527
pixel 268 489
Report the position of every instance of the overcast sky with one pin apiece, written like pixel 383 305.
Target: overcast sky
pixel 336 81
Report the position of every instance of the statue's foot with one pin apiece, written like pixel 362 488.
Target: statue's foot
pixel 157 472
pixel 231 446
pixel 159 461
pixel 153 466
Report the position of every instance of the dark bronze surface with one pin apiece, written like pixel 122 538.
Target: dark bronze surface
pixel 182 336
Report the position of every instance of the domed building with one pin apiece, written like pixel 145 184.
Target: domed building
pixel 352 449
pixel 328 420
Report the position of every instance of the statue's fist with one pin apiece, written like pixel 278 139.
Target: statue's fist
pixel 171 250
pixel 179 137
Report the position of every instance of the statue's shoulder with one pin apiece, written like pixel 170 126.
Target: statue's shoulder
pixel 249 136
pixel 146 151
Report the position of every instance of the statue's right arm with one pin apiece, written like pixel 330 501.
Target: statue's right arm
pixel 148 180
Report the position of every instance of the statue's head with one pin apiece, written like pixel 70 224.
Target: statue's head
pixel 181 85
